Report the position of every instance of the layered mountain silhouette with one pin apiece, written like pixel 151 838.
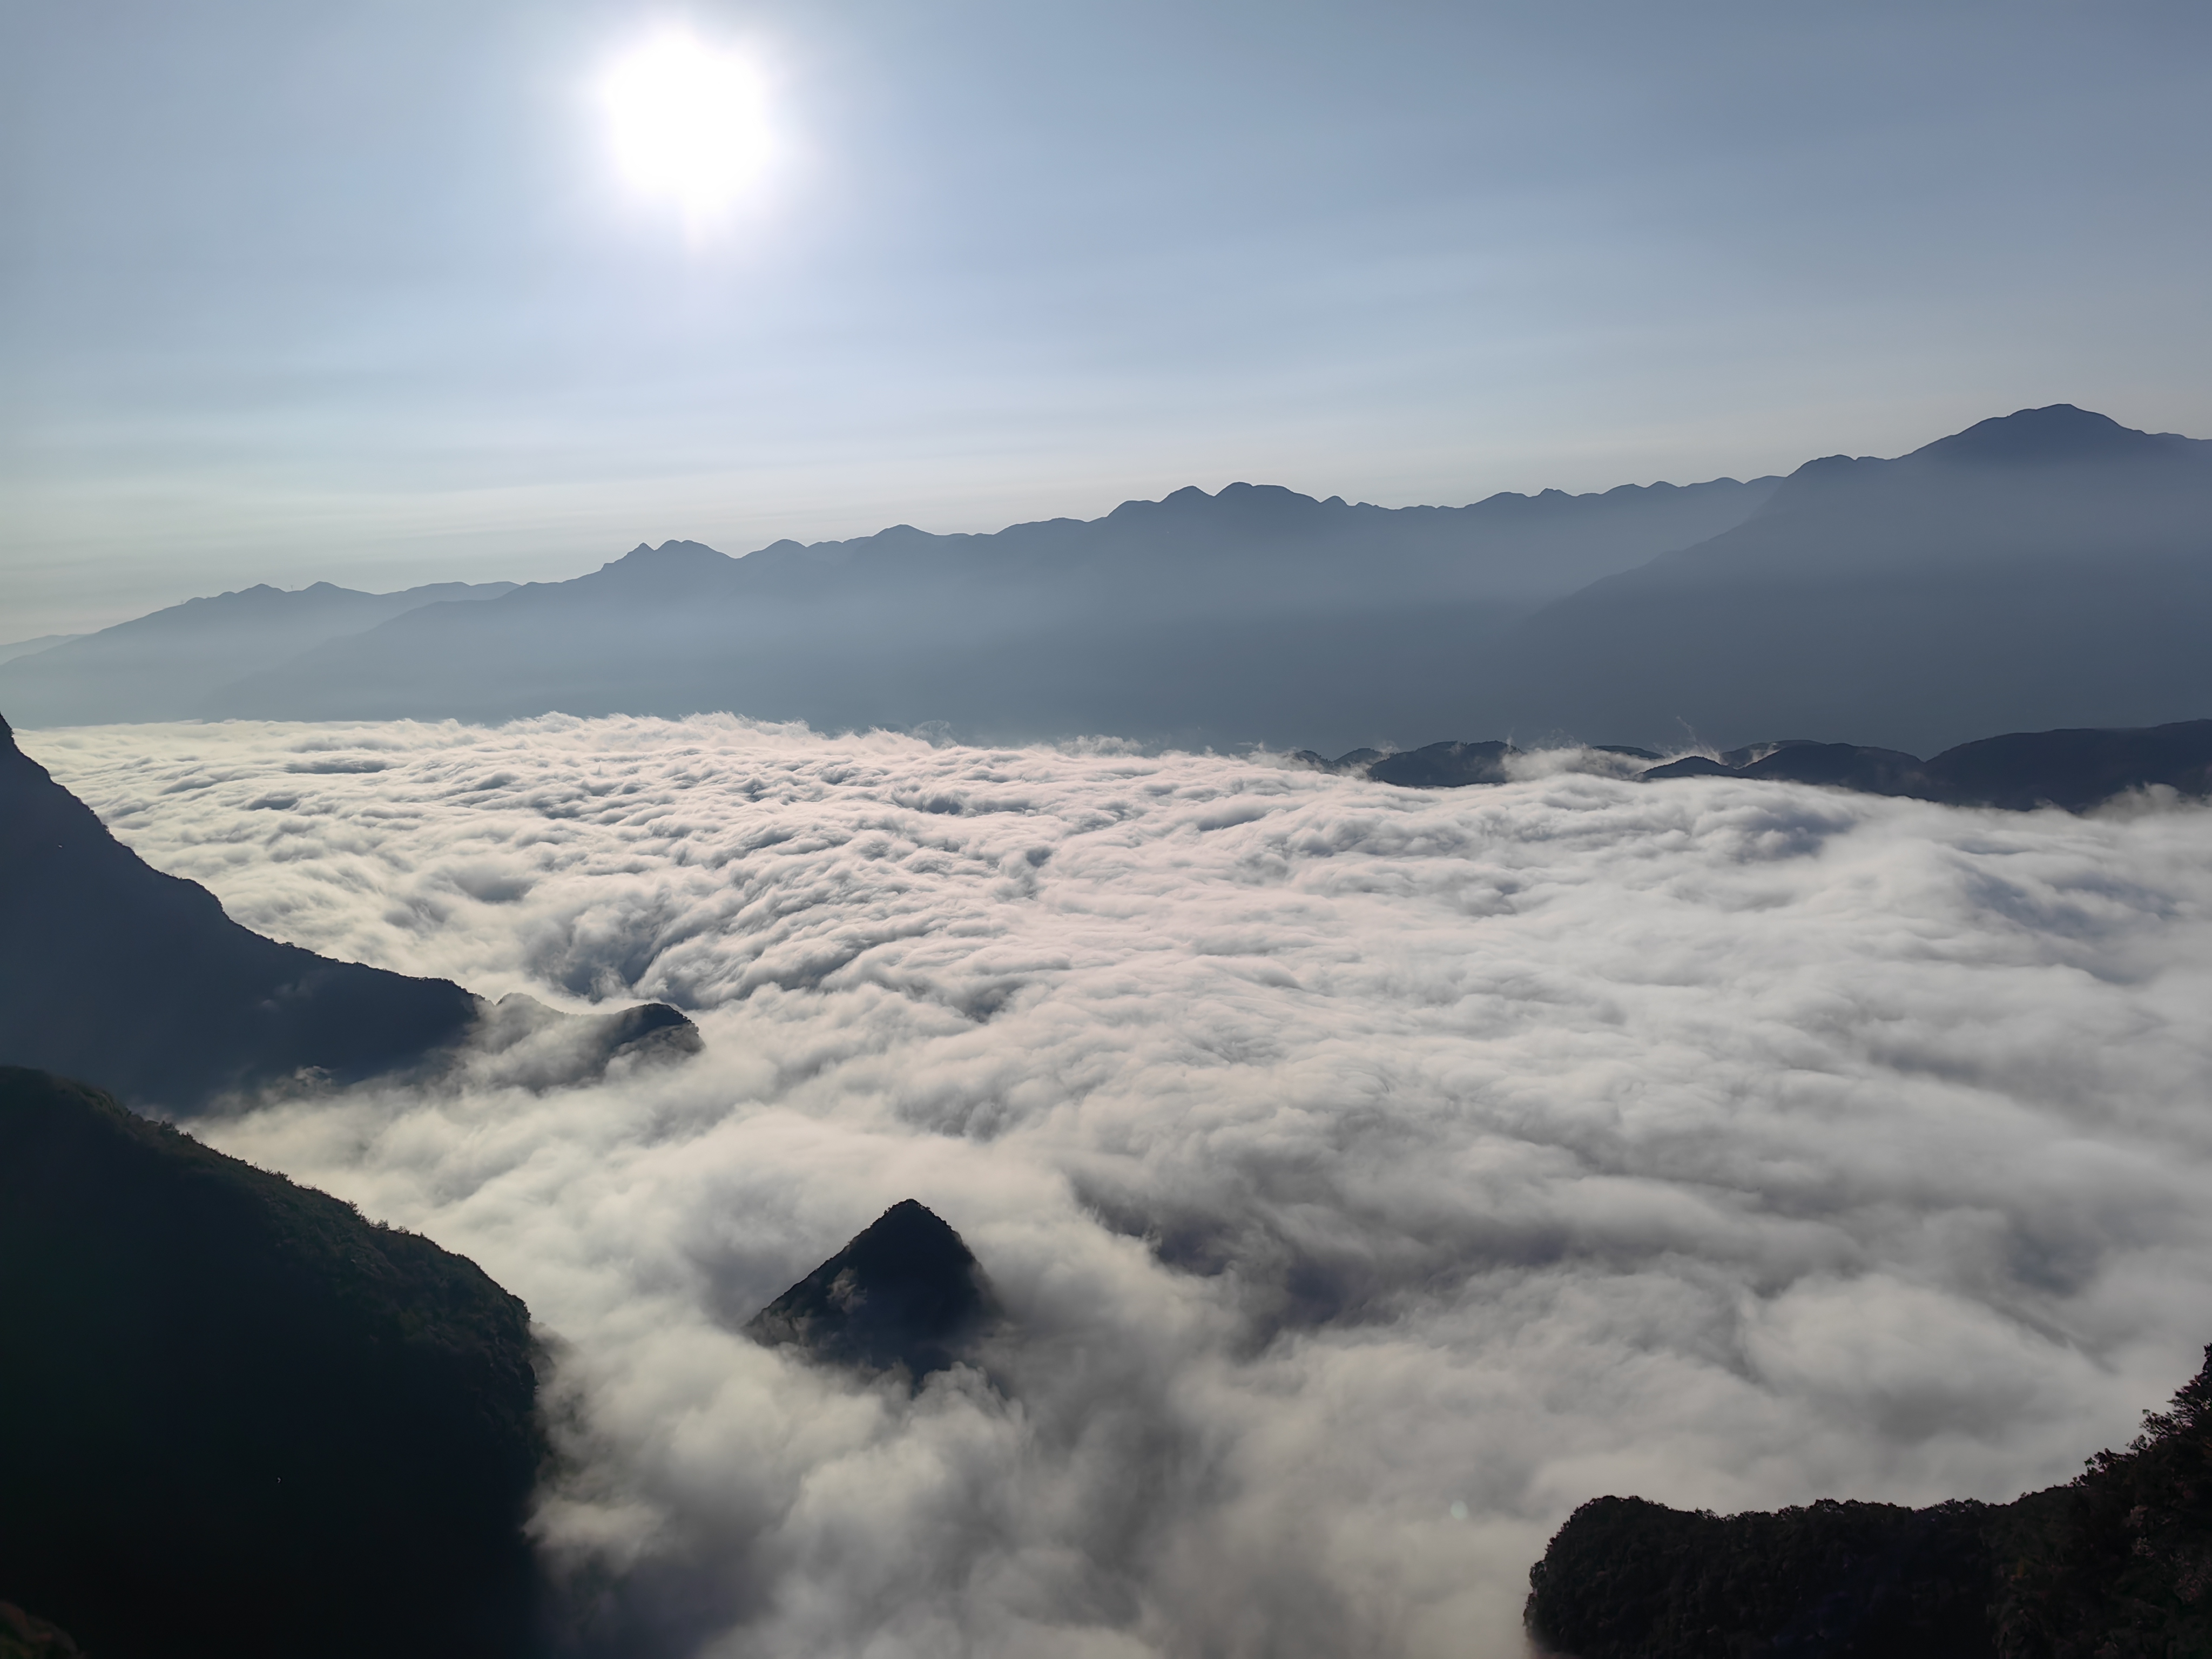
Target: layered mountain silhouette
pixel 110 970
pixel 2051 568
pixel 236 1420
pixel 2019 771
pixel 905 1296
pixel 15 649
pixel 162 667
pixel 1252 613
pixel 2117 1563
pixel 2046 569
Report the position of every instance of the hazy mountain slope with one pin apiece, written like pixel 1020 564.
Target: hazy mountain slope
pixel 15 649
pixel 2048 568
pixel 236 1418
pixel 1255 613
pixel 157 667
pixel 112 970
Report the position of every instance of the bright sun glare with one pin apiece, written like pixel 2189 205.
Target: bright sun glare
pixel 688 122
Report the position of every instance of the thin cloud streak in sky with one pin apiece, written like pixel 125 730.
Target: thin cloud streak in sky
pixel 1341 1152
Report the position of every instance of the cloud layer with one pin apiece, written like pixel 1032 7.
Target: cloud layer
pixel 1371 1175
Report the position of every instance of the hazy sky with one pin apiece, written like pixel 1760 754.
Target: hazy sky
pixel 354 290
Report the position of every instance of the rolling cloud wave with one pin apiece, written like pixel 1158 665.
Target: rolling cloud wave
pixel 1370 1175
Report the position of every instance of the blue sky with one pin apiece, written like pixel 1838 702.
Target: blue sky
pixel 354 292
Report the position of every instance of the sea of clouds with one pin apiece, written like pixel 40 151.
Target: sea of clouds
pixel 1371 1175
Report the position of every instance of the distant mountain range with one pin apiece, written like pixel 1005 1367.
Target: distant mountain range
pixel 2050 567
pixel 1199 619
pixel 159 666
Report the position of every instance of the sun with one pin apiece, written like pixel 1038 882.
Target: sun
pixel 688 122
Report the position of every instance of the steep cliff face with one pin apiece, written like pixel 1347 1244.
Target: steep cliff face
pixel 2117 1565
pixel 110 970
pixel 238 1420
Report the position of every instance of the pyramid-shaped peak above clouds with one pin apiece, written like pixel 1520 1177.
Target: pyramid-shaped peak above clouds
pixel 2057 432
pixel 907 1293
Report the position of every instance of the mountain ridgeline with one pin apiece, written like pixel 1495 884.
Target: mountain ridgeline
pixel 162 667
pixel 2046 569
pixel 2019 771
pixel 110 970
pixel 2049 568
pixel 1252 613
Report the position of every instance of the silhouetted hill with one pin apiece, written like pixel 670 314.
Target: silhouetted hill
pixel 158 668
pixel 2020 771
pixel 1441 765
pixel 2050 567
pixel 2116 1565
pixel 904 1294
pixel 1251 614
pixel 112 970
pixel 15 649
pixel 238 1420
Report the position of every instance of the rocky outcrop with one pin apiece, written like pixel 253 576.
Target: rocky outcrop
pixel 906 1295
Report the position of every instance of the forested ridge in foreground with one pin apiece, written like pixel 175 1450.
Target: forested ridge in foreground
pixel 2115 1565
pixel 237 1418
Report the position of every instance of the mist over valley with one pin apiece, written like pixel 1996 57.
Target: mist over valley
pixel 1347 1159
pixel 959 830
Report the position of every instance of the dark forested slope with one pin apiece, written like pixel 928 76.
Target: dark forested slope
pixel 236 1420
pixel 112 971
pixel 2116 1565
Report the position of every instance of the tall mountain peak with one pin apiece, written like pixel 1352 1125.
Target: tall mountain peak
pixel 905 1293
pixel 2039 437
